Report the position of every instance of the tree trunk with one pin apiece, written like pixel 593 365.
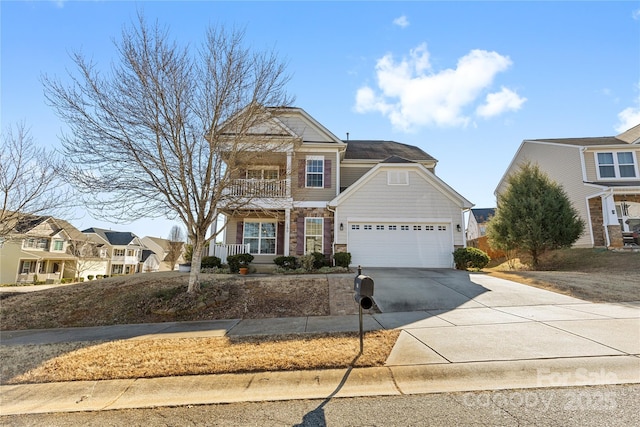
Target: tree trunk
pixel 196 262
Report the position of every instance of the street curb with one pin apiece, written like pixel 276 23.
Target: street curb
pixel 317 384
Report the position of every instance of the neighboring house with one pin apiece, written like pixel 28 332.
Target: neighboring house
pixel 123 250
pixel 162 248
pixel 477 226
pixel 39 247
pixel 601 177
pixel 150 262
pixel 379 200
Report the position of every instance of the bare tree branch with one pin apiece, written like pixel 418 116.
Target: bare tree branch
pixel 30 181
pixel 163 132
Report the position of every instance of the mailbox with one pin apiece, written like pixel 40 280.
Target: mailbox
pixel 363 287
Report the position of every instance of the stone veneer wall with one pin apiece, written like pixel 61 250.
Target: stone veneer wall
pixel 293 226
pixel 597 221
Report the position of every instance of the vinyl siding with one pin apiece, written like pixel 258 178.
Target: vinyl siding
pixel 419 199
pixel 302 128
pixel 349 175
pixel 300 192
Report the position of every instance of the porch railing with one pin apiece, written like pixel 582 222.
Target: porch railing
pixel 260 188
pixel 222 250
pixel 42 277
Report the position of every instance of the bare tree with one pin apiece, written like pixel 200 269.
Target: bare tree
pixel 176 246
pixel 30 183
pixel 165 130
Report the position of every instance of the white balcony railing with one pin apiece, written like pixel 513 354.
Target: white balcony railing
pixel 260 188
pixel 222 250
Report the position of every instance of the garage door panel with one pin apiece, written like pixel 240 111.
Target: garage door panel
pixel 400 245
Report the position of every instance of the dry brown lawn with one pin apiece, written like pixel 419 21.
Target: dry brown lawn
pixel 594 275
pixel 599 276
pixel 162 297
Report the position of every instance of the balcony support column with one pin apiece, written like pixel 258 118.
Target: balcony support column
pixel 287 221
pixel 288 174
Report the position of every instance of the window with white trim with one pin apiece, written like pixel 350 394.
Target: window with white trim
pixel 355 226
pixel 314 172
pixel 442 228
pixel 404 228
pixel 397 178
pixel 393 227
pixel 313 233
pixel 379 227
pixel 36 243
pixel 261 237
pixel 263 172
pixel 117 269
pixel 118 252
pixel 417 228
pixel 367 227
pixel 58 245
pixel 428 227
pixel 616 165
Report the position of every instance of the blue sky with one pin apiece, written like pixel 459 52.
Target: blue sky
pixel 465 81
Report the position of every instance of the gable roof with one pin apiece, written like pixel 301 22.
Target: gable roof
pixel 383 150
pixel 631 136
pixel 482 214
pixel 428 176
pixel 115 238
pixel 583 142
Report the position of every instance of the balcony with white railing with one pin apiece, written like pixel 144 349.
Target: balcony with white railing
pixel 260 188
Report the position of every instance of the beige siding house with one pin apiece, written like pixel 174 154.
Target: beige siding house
pixel 45 249
pixel 601 177
pixel 379 200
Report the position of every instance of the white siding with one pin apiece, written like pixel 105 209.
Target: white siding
pixel 419 200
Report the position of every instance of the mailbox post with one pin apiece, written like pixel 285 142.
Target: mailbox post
pixel 363 288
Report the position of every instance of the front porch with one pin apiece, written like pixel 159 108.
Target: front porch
pixel 615 220
pixel 267 234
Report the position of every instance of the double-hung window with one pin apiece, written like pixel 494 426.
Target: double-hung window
pixel 314 172
pixel 58 245
pixel 261 237
pixel 313 235
pixel 263 172
pixel 621 164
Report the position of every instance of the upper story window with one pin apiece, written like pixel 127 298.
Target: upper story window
pixel 118 252
pixel 131 252
pixel 619 164
pixel 58 245
pixel 263 172
pixel 36 243
pixel 315 172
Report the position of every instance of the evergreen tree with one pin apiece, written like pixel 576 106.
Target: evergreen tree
pixel 534 215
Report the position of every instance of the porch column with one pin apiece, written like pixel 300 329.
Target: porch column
pixel 288 179
pixel 287 220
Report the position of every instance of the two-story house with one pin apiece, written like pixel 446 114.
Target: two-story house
pixel 39 247
pixel 123 250
pixel 379 200
pixel 162 248
pixel 601 178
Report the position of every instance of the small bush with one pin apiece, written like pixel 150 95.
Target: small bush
pixel 99 276
pixel 210 262
pixel 237 261
pixel 319 260
pixel 342 259
pixel 105 276
pixel 286 262
pixel 307 262
pixel 90 277
pixel 474 258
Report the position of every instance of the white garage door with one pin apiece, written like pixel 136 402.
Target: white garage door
pixel 385 244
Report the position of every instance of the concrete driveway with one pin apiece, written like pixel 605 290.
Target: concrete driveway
pixel 415 289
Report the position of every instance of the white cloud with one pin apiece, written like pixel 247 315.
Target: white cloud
pixel 401 22
pixel 500 102
pixel 628 118
pixel 412 95
pixel 635 14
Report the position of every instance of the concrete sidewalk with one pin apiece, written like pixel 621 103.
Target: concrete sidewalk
pixel 510 336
